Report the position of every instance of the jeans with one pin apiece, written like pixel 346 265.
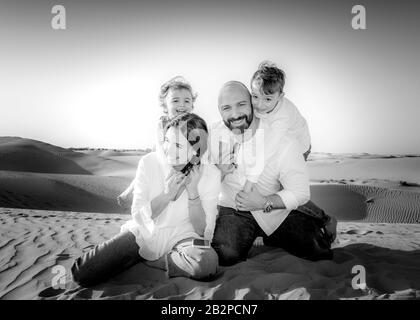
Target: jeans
pixel 300 234
pixel 118 254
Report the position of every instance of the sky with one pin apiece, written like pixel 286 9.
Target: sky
pixel 96 83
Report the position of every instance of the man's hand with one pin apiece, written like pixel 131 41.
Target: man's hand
pixel 250 201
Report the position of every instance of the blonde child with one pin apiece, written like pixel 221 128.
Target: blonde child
pixel 176 96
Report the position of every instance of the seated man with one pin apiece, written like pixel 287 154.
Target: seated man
pixel 271 209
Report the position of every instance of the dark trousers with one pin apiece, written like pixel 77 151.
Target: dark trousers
pixel 106 260
pixel 300 234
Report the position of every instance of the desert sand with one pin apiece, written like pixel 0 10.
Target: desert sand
pixel 57 203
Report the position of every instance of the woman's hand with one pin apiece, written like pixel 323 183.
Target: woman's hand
pixel 192 180
pixel 175 182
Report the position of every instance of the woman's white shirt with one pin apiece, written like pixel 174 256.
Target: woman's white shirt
pixel 156 237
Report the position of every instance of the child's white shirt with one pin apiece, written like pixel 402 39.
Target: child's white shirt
pixel 286 119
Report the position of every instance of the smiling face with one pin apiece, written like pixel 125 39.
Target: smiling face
pixel 261 102
pixel 177 149
pixel 178 101
pixel 235 107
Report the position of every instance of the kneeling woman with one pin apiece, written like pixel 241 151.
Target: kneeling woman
pixel 175 202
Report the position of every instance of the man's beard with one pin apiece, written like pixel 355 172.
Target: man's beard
pixel 241 129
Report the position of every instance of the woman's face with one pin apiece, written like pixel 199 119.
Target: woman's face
pixel 178 101
pixel 177 149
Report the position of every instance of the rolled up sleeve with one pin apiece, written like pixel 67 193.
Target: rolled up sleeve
pixel 141 210
pixel 293 177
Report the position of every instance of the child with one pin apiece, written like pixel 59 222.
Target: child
pixel 270 104
pixel 176 96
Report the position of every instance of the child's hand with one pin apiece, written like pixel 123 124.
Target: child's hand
pixel 258 242
pixel 123 201
pixel 226 169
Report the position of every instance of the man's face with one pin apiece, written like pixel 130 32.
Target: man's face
pixel 235 109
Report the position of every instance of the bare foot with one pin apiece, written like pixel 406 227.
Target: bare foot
pixel 331 228
pixel 258 242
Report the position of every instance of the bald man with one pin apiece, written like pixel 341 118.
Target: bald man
pixel 273 208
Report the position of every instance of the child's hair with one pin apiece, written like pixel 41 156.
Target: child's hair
pixel 176 83
pixel 194 129
pixel 269 77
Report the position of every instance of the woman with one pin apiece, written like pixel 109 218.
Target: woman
pixel 175 201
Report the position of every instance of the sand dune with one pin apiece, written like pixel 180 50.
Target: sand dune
pixel 26 155
pixel 60 192
pixel 367 203
pixel 33 156
pixel 37 175
pixel 361 168
pixel 40 240
pixel 378 228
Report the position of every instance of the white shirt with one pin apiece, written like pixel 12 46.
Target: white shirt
pixel 157 237
pixel 281 170
pixel 286 119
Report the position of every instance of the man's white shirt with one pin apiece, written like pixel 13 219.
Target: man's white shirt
pixel 276 163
